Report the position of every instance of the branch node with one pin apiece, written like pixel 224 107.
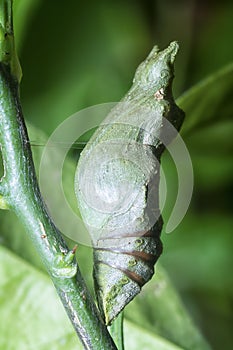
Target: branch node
pixel 64 265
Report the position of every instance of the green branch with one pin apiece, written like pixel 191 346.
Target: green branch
pixel 20 192
pixel 8 54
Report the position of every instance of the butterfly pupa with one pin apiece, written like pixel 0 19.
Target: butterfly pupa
pixel 117 184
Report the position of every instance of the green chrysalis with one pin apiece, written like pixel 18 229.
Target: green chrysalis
pixel 117 183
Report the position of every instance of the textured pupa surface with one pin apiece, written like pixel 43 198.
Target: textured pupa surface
pixel 117 184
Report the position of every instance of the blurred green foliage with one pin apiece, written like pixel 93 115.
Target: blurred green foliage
pixel 78 54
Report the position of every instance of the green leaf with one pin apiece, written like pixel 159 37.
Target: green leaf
pixel 138 338
pixel 208 127
pixel 209 101
pixel 32 313
pixel 159 309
